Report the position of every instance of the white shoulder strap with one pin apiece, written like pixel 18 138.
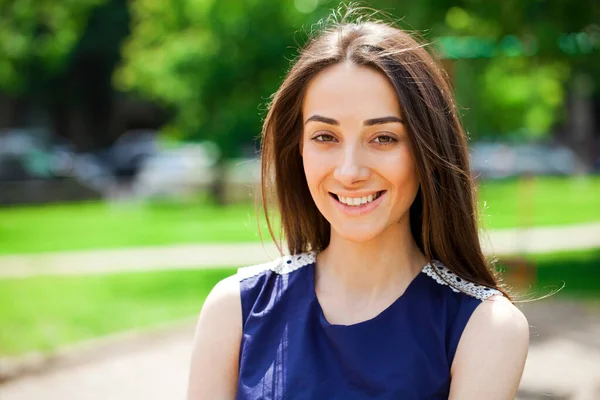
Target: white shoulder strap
pixel 444 276
pixel 281 265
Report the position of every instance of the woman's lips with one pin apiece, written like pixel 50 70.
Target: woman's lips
pixel 358 210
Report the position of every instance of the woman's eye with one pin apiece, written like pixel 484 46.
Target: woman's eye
pixel 385 139
pixel 324 137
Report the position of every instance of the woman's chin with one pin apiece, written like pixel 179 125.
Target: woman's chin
pixel 357 234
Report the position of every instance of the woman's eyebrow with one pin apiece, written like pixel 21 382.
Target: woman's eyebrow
pixel 320 118
pixel 383 120
pixel 367 122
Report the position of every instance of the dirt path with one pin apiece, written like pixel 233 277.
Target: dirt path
pixel 564 354
pixel 563 363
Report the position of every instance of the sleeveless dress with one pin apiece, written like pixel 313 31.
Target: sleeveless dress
pixel 290 351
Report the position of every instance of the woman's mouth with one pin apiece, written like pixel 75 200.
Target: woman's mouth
pixel 358 205
pixel 357 201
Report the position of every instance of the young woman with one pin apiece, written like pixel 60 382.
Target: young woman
pixel 386 294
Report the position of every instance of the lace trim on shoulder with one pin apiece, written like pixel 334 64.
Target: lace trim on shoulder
pixel 282 265
pixel 444 276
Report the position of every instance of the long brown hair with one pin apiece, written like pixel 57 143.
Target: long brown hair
pixel 443 217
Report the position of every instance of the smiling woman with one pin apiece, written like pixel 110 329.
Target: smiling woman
pixel 361 151
pixel 385 292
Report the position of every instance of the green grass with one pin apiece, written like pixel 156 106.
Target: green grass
pixel 48 311
pixel 45 312
pixel 99 225
pixel 540 201
pixel 508 203
pixel 577 273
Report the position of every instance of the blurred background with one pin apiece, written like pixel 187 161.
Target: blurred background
pixel 129 161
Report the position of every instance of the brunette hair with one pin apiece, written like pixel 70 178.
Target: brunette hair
pixel 443 217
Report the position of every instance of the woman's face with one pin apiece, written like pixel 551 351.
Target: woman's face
pixel 356 153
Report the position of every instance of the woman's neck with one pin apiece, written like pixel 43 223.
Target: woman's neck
pixel 383 264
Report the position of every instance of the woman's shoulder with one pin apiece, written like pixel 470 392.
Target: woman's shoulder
pixel 497 334
pixel 265 287
pixel 223 302
pixel 216 343
pixel 466 303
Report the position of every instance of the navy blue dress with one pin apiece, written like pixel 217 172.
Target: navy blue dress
pixel 290 351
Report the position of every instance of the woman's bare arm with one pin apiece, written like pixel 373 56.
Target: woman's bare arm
pixel 214 365
pixel 491 353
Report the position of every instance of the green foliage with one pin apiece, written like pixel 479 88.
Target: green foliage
pixel 518 58
pixel 214 62
pixel 511 96
pixel 38 36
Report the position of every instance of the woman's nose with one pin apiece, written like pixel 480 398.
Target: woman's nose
pixel 351 167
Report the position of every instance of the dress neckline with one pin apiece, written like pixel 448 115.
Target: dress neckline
pixel 400 299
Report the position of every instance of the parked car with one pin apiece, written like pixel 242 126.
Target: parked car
pixel 499 160
pixel 25 154
pixel 179 171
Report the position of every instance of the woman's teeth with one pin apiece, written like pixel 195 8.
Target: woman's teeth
pixel 358 201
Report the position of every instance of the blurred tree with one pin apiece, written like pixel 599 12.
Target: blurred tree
pixel 522 68
pixel 212 61
pixel 189 55
pixel 216 62
pixel 85 112
pixel 57 70
pixel 36 39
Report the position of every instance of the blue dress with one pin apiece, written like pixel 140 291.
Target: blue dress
pixel 290 351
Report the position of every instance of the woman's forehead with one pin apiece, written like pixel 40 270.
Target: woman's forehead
pixel 347 91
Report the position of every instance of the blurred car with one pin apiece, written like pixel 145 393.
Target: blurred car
pixel 498 160
pixel 26 154
pixel 116 165
pixel 129 153
pixel 38 167
pixel 179 171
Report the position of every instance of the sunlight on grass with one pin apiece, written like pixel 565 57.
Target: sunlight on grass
pixel 576 272
pixel 540 201
pixel 45 312
pixel 508 203
pixel 99 225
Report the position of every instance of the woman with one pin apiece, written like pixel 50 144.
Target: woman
pixel 387 294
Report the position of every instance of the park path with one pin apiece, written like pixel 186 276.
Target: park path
pixel 563 363
pixel 500 242
pixel 563 360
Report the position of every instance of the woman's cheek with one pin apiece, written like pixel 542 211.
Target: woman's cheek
pixel 313 166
